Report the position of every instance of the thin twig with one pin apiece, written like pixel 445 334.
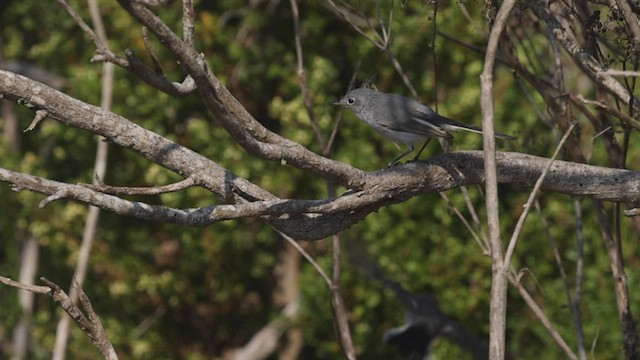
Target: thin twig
pixel 40 115
pixel 575 310
pixel 579 273
pixel 327 150
pixel 99 42
pixel 576 98
pixel 532 196
pixel 433 54
pixel 342 13
pixel 89 324
pixel 476 220
pixel 466 224
pixel 544 320
pixel 28 287
pixel 306 256
pixel 157 68
pixel 308 104
pixel 339 307
pixel 478 49
pixel 145 191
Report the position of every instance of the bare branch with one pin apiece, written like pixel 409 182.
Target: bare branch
pixel 532 196
pixel 627 73
pixel 159 81
pixel 306 255
pixel 103 49
pixel 63 193
pixel 188 24
pixel 308 104
pixel 544 320
pixel 356 22
pixel 586 62
pixel 573 305
pixel 156 2
pixel 632 212
pixel 246 130
pixel 579 273
pixel 383 188
pixel 91 326
pixel 472 231
pixel 498 306
pixel 93 330
pixel 608 109
pixel 91 223
pixel 339 308
pixel 150 50
pixel 33 288
pixel 40 115
pixel 145 191
pixel 124 133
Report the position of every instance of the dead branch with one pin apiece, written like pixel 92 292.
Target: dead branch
pixel 89 324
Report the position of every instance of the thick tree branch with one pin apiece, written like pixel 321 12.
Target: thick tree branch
pixel 301 219
pixel 128 135
pixel 383 188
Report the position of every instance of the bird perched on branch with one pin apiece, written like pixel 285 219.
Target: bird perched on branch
pixel 402 119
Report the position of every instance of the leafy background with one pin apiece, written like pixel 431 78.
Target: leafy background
pixel 214 286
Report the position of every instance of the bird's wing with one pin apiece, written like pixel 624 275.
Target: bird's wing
pixel 412 118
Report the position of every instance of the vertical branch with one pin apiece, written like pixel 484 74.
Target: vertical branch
pixel 337 302
pixel 301 74
pixel 28 267
pixel 433 54
pixel 188 24
pixel 579 276
pixel 631 342
pixel 499 283
pixel 100 166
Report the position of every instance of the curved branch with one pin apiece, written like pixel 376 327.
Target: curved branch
pixel 300 219
pixel 236 120
pixel 125 133
pixel 316 219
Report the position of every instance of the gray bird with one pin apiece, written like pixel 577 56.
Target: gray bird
pixel 402 119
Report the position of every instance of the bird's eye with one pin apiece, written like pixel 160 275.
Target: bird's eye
pixel 351 101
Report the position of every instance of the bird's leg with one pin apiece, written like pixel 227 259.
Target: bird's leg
pixel 422 149
pixel 396 160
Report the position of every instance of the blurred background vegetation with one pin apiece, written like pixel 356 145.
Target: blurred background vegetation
pixel 208 290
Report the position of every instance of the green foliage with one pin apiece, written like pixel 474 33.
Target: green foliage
pixel 207 290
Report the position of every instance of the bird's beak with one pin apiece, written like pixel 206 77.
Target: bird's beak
pixel 337 102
